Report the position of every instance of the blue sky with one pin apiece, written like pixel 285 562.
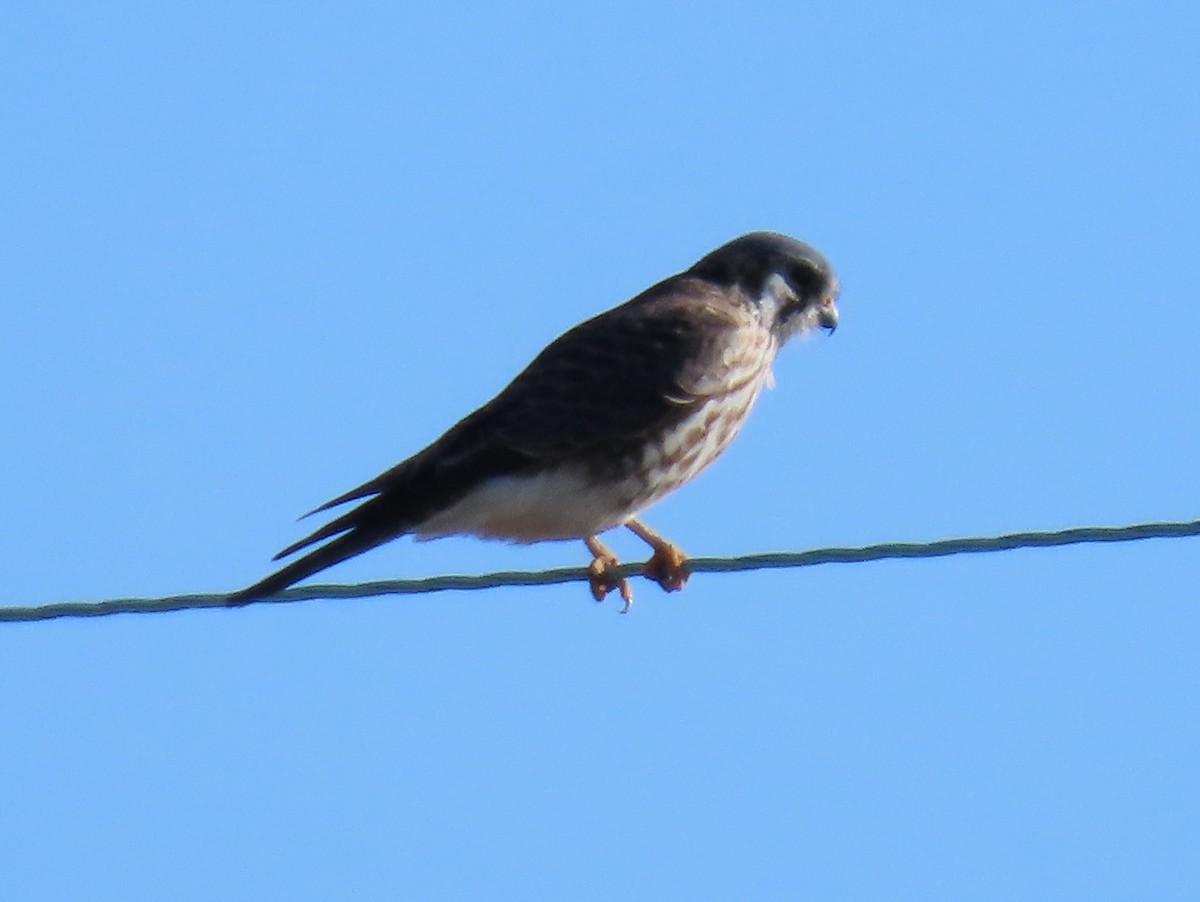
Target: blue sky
pixel 251 256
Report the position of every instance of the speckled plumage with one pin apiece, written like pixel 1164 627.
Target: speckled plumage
pixel 611 416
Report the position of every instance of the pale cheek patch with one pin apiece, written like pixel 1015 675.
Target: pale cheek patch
pixel 804 324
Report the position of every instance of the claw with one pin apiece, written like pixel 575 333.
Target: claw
pixel 667 566
pixel 601 580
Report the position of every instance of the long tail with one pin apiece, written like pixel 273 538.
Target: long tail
pixel 345 546
pixel 397 501
pixel 379 519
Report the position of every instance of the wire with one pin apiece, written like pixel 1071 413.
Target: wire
pixel 768 561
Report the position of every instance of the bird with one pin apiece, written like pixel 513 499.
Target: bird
pixel 611 416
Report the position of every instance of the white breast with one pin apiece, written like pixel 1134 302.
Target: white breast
pixel 557 504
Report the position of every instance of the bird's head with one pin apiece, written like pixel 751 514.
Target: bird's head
pixel 792 285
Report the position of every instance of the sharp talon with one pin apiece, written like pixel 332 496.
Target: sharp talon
pixel 601 584
pixel 667 568
pixel 667 565
pixel 601 581
pixel 626 596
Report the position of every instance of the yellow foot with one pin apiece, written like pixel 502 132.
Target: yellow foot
pixel 600 576
pixel 667 565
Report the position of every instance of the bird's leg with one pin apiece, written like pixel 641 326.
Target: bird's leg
pixel 666 565
pixel 603 582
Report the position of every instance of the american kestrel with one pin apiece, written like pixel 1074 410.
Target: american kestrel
pixel 608 419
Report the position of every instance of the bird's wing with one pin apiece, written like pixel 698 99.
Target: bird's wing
pixel 608 381
pixel 626 373
pixel 602 386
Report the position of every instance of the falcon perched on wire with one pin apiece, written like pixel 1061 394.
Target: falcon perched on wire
pixel 609 418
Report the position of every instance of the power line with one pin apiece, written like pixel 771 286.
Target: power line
pixel 769 561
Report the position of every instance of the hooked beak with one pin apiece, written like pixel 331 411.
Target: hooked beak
pixel 827 315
